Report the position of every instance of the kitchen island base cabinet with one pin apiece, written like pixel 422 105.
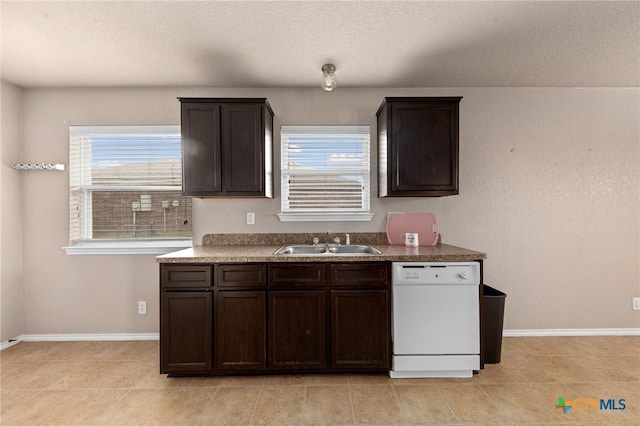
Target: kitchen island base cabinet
pixel 185 338
pixel 223 319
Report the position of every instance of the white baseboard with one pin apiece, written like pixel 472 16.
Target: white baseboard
pixel 156 336
pixel 9 343
pixel 573 332
pixel 88 337
pixel 80 338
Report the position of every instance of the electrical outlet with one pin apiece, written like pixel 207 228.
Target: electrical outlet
pixel 251 218
pixel 142 307
pixel 636 303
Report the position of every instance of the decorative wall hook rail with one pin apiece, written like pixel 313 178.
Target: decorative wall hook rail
pixel 39 166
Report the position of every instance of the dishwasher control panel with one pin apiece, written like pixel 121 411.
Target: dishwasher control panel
pixel 436 273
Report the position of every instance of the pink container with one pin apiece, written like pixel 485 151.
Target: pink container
pixel 424 224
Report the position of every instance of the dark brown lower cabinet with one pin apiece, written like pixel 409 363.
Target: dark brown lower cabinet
pixel 297 330
pixel 360 329
pixel 185 331
pixel 240 332
pixel 274 317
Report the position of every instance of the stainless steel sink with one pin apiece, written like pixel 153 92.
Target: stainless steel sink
pixel 353 249
pixel 301 249
pixel 321 249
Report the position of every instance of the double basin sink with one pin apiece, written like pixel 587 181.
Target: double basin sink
pixel 326 250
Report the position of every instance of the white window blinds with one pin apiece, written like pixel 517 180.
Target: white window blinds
pixel 325 169
pixel 125 183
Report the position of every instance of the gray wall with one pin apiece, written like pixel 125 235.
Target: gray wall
pixel 11 302
pixel 549 190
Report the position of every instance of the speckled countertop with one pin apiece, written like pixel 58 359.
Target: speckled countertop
pixel 244 248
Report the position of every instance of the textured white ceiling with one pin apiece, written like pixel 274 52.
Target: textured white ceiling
pixel 284 43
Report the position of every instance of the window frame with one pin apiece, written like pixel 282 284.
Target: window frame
pixel 363 214
pixel 116 246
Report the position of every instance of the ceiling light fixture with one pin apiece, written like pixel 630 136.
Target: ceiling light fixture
pixel 329 79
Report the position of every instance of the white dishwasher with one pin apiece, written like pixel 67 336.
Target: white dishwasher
pixel 436 319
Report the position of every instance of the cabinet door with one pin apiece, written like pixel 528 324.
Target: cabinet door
pixel 418 146
pixel 243 148
pixel 297 330
pixel 201 149
pixel 240 333
pixel 185 331
pixel 360 329
pixel 424 147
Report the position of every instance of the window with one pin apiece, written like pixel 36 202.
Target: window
pixel 125 190
pixel 325 173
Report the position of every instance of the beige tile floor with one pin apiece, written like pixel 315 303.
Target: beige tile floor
pixel 117 383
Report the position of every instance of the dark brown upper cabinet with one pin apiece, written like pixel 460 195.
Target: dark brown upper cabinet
pixel 227 147
pixel 418 146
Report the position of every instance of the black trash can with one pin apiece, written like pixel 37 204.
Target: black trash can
pixel 493 319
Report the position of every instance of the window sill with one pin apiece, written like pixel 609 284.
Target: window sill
pixel 325 217
pixel 115 247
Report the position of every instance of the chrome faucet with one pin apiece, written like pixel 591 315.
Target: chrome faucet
pixel 326 239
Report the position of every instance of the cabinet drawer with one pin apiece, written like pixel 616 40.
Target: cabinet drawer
pixel 297 275
pixel 251 276
pixel 185 276
pixel 359 275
